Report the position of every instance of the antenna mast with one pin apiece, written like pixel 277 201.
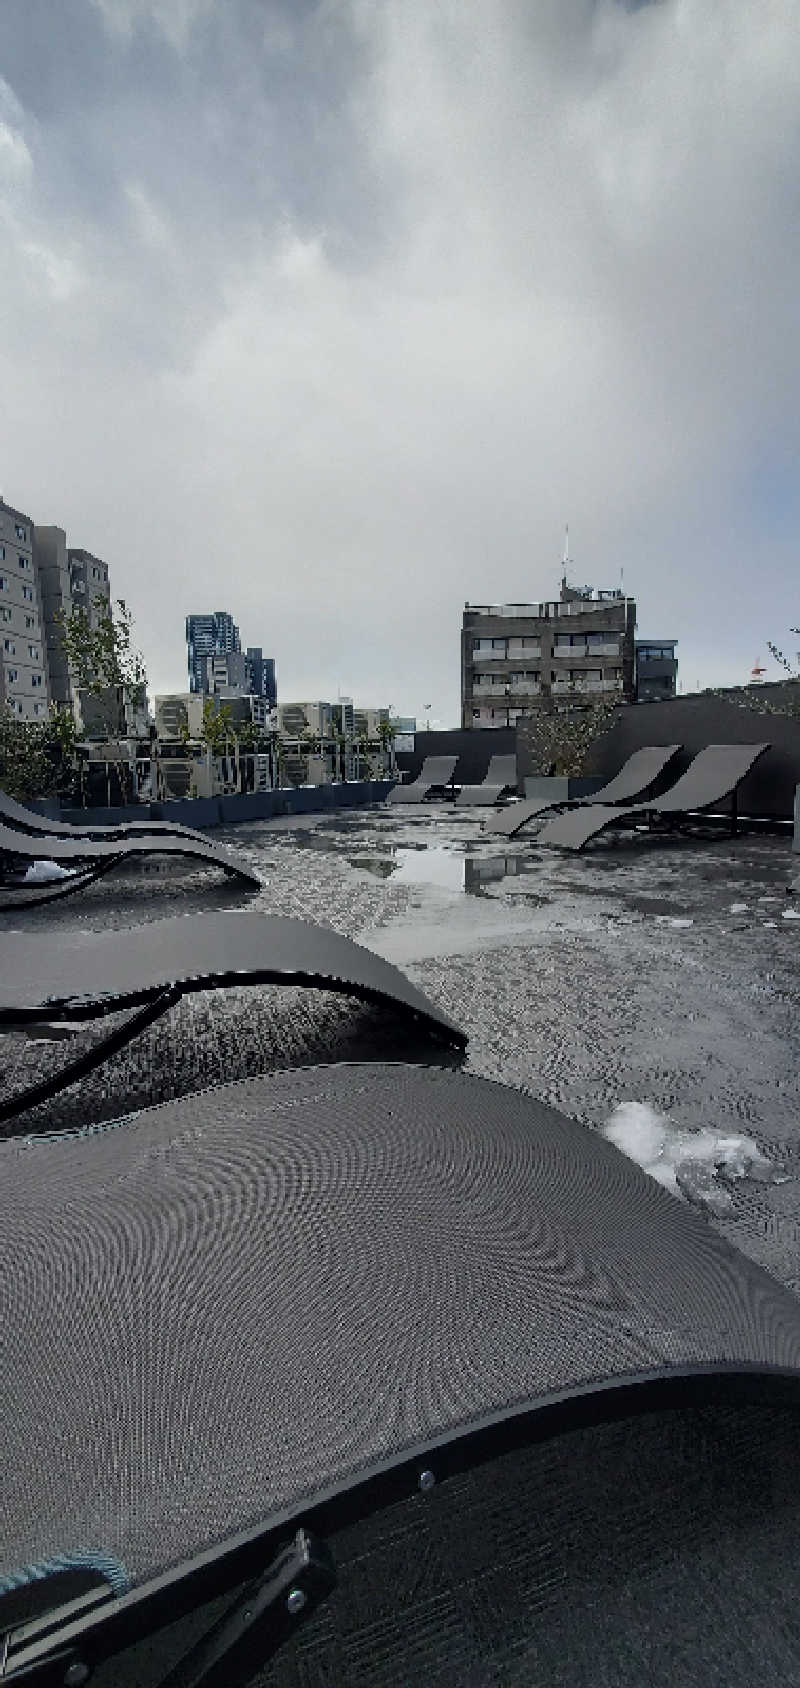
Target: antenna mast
pixel 565 561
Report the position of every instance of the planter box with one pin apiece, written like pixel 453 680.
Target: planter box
pixel 559 788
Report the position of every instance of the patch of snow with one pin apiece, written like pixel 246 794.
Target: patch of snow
pixel 769 923
pixel 662 1148
pixel 738 908
pixel 41 873
pixel 791 914
pixel 674 920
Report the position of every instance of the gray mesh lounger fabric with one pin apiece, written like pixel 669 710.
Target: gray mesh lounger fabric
pixel 712 777
pixel 99 973
pixel 220 1310
pixel 640 771
pixel 435 771
pixel 92 857
pixel 27 820
pixel 501 775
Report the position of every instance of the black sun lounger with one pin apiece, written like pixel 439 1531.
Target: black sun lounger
pixel 713 776
pixel 436 772
pixel 150 967
pixel 91 858
pixel 17 815
pixel 236 1323
pixel 501 775
pixel 641 770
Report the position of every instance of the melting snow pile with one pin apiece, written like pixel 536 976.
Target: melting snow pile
pixel 41 873
pixel 688 1161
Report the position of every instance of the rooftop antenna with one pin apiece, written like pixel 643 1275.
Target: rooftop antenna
pixel 565 561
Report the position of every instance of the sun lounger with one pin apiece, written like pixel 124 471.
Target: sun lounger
pixel 150 967
pixel 714 776
pixel 640 771
pixel 27 820
pixel 90 858
pixel 436 772
pixel 237 1323
pixel 501 776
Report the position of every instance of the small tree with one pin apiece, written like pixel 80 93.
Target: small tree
pixel 104 661
pixel 793 673
pixel 387 732
pixel 560 739
pixel 37 758
pixel 100 651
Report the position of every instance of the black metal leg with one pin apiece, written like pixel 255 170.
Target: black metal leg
pixel 94 1057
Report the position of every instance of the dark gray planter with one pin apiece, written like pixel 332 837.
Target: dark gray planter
pixel 560 788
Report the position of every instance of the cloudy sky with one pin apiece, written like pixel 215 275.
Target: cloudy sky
pixel 333 312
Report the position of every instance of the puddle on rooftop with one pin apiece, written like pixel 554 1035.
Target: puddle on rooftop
pixel 435 864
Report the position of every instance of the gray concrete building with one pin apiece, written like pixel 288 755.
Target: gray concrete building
pixel 656 670
pixel 68 578
pixel 23 671
pixel 515 657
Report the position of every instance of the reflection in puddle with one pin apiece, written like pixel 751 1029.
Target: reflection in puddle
pixel 381 866
pixel 451 870
pixel 479 873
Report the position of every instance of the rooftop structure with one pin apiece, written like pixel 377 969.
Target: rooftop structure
pixel 656 670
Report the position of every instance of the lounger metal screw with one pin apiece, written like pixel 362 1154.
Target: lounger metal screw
pixel 426 1481
pixel 296 1601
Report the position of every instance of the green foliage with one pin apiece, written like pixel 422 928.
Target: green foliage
pixel 217 729
pixel 37 758
pixel 560 738
pixel 783 660
pixel 101 652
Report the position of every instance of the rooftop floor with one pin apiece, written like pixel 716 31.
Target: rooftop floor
pixel 650 983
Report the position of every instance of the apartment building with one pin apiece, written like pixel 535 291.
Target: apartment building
pixel 517 657
pixel 68 578
pixel 23 669
pixel 208 636
pixel 260 677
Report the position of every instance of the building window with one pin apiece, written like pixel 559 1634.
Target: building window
pixel 36 679
pixel 30 621
pixel 33 652
pixel 27 593
pixel 12 673
pixel 2 553
pixel 10 647
pixel 3 583
pixel 20 532
pixel 24 562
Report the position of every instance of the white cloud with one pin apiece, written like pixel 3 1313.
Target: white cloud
pixel 174 18
pixel 527 265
